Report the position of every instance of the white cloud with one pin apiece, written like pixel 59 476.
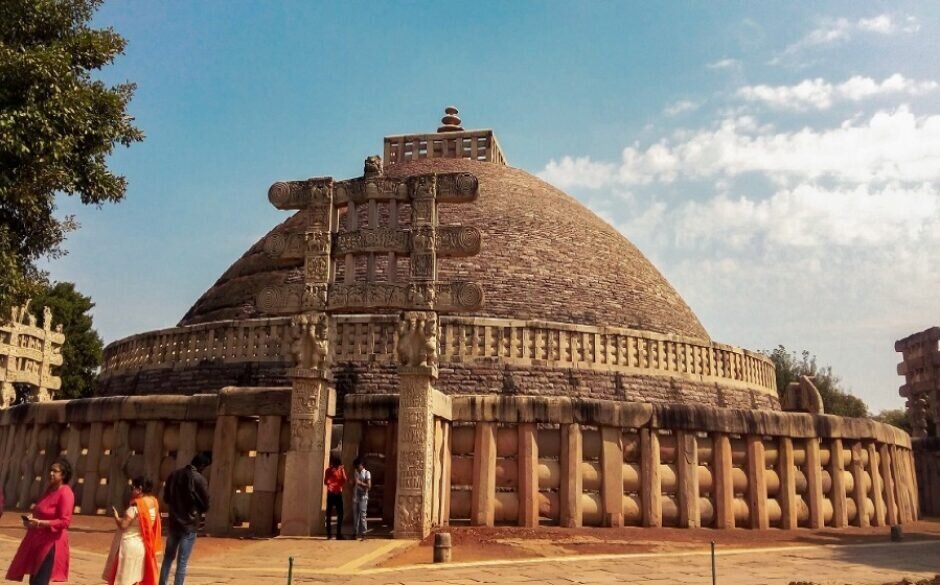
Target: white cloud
pixel 841 271
pixel 882 24
pixel 811 216
pixel 825 238
pixel 890 146
pixel 836 31
pixel 577 172
pixel 724 64
pixel 821 94
pixel 680 107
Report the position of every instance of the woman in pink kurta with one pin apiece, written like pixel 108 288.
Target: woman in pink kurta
pixel 44 552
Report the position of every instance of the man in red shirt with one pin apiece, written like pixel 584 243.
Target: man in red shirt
pixel 334 479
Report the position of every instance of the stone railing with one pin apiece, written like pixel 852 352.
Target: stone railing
pixel 252 340
pixel 479 145
pixel 111 440
pixel 602 348
pixel 27 355
pixel 580 462
pixel 521 460
pixel 373 338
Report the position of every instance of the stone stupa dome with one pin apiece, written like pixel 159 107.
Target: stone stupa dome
pixel 571 307
pixel 543 255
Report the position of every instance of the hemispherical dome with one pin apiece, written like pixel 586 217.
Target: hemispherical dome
pixel 543 256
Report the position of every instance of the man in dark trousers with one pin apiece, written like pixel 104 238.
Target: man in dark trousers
pixel 186 494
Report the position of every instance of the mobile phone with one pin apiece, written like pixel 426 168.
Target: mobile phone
pixel 25 519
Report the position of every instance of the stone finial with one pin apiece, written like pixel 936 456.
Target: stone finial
pixel 451 121
pixel 803 396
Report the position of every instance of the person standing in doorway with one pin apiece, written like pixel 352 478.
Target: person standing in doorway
pixel 186 494
pixel 334 479
pixel 363 479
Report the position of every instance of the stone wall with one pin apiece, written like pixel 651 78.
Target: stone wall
pixel 111 440
pixel 579 462
pixel 497 459
pixel 477 356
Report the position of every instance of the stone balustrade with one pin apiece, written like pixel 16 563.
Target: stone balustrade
pixel 480 145
pixel 255 340
pixel 497 459
pixel 581 462
pixel 111 440
pixel 464 341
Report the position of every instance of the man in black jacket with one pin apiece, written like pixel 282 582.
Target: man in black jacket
pixel 186 494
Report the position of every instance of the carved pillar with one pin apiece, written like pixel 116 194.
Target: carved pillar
pixel 311 395
pixel 303 500
pixel 417 351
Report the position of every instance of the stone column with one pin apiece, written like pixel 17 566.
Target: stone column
pixel 417 351
pixel 219 517
pixel 756 483
pixel 723 485
pixel 786 471
pixel 837 493
pixel 877 495
pixel 528 475
pixel 687 471
pixel 303 500
pixel 814 493
pixel 483 502
pixel 571 481
pixel 651 489
pixel 311 395
pixel 612 475
pixel 891 508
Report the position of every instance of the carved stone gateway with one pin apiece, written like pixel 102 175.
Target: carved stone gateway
pixel 27 355
pixel 351 265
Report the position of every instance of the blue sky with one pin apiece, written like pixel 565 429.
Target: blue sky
pixel 780 164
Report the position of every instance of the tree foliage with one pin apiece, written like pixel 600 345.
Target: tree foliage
pixel 82 351
pixel 836 400
pixel 57 127
pixel 895 416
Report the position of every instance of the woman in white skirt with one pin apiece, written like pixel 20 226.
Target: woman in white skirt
pixel 132 559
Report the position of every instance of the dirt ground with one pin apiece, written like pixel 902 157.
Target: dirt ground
pixel 472 543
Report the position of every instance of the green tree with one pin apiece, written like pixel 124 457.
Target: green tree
pixel 836 400
pixel 82 351
pixel 57 127
pixel 895 416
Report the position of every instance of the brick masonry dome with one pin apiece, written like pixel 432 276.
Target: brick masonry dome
pixel 543 256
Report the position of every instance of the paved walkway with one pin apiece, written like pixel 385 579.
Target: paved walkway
pixel 259 562
pixel 828 565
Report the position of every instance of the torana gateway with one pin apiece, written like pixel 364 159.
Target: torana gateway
pixel 495 351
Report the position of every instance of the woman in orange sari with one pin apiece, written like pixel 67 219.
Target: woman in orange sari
pixel 133 559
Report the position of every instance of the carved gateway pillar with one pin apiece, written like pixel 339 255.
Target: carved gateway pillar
pixel 312 399
pixel 417 355
pixel 417 351
pixel 367 233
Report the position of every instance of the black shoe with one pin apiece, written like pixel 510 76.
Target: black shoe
pixel 340 537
